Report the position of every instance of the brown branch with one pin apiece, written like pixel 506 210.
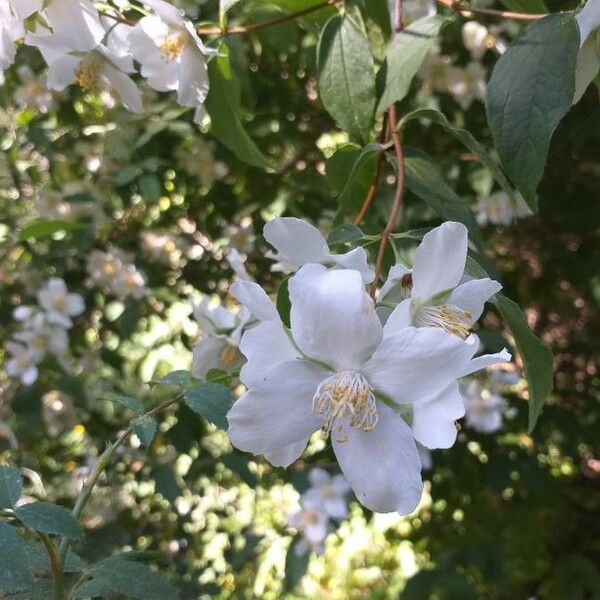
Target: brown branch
pixel 502 14
pixel 265 24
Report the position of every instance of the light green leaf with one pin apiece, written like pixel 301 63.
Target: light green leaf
pixel 345 234
pixel 527 6
pixel 49 518
pixel 346 76
pixel 530 91
pixel 296 565
pixel 180 378
pixel 133 404
pixel 16 572
pixel 211 401
pixel 145 428
pixel 223 106
pixel 404 58
pixel 10 486
pixel 225 5
pixel 537 357
pixel 46 228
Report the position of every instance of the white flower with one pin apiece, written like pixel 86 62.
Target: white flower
pixel 499 209
pixel 484 410
pixel 58 412
pixel 313 524
pixel 130 281
pixel 412 10
pixel 164 248
pixel 327 492
pixel 299 243
pixel 426 458
pixel 171 55
pixel 113 272
pixel 58 304
pixel 466 84
pixel 41 338
pixel 241 237
pixel 477 39
pixel 22 363
pixel 339 369
pixel 222 329
pixel 588 59
pixel 33 92
pixel 237 263
pixel 435 293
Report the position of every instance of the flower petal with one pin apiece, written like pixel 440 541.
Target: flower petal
pixel 356 259
pixel 255 299
pixel 287 455
pixel 399 319
pixel 77 21
pixel 588 19
pixel 298 241
pixel 277 413
pixel 382 466
pixel 206 356
pixel 439 260
pixel 61 72
pixel 333 318
pixel 129 93
pixel 473 294
pixel 588 65
pixel 397 272
pixel 433 421
pixel 485 361
pixel 193 78
pixel 416 364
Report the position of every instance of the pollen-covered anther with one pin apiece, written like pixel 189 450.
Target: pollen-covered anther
pixel 87 74
pixel 172 46
pixel 449 318
pixel 346 395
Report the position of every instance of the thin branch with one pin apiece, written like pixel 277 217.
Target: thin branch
pixel 265 24
pixel 56 566
pixel 455 6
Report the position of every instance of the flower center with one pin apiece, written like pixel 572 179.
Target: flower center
pixel 230 356
pixel 346 395
pixel 60 303
pixel 173 45
pixel 449 318
pixel 40 342
pixel 87 74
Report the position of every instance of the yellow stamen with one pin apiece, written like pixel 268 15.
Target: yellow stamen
pixel 87 74
pixel 172 45
pixel 230 356
pixel 449 318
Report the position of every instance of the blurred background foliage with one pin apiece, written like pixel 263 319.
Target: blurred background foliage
pixel 508 515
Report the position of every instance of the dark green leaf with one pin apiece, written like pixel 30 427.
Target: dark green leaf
pixel 127 175
pixel 211 401
pixel 238 462
pixel 295 565
pixel 46 228
pixel 530 91
pixel 145 428
pixel 439 584
pixel 16 572
pixel 180 378
pixel 10 486
pixel 527 6
pixel 537 357
pixel 345 233
pixel 346 75
pixel 404 58
pixel 38 556
pixel 49 518
pixel 150 187
pixel 283 303
pixel 132 404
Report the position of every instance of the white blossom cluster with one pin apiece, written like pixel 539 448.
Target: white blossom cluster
pixel 498 209
pixel 321 505
pixel 43 329
pixel 377 376
pixel 114 273
pixel 99 52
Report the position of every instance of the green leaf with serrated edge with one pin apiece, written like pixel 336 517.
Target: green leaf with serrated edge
pixel 406 53
pixel 538 362
pixel 283 303
pixel 345 234
pixel 223 106
pixel 530 91
pixel 296 565
pixel 346 76
pixel 145 428
pixel 117 575
pixel 211 401
pixel 132 404
pixel 180 378
pixel 46 228
pixel 465 137
pixel 49 518
pixel 11 484
pixel 526 6
pixel 16 572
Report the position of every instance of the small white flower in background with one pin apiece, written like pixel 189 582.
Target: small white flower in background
pixel 130 281
pixel 237 262
pixel 172 56
pixel 42 337
pixel 434 72
pixel 33 91
pixel 435 293
pixel 327 492
pixel 241 237
pixel 114 274
pixel 499 209
pixel 313 524
pixel 477 39
pixel 588 59
pixel 412 10
pixel 466 84
pixel 58 412
pixel 298 243
pixel 484 410
pixel 58 303
pixel 222 329
pixel 198 160
pixel 164 248
pixel 22 363
pixel 340 370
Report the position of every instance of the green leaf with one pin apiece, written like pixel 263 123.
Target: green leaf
pixel 527 6
pixel 465 137
pixel 132 404
pixel 16 572
pixel 283 303
pixel 10 486
pixel 127 175
pixel 537 357
pixel 346 76
pixel 223 106
pixel 404 58
pixel 40 562
pixel 145 428
pixel 46 228
pixel 117 575
pixel 211 401
pixel 530 91
pixel 150 187
pixel 49 518
pixel 345 234
pixel 180 378
pixel 296 565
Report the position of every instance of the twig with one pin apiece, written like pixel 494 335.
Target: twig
pixel 455 6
